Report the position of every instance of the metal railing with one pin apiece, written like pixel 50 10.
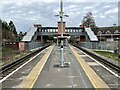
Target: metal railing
pixel 110 46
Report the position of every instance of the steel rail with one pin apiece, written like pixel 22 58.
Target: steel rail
pixel 101 59
pixel 18 61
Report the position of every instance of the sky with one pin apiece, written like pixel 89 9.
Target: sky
pixel 26 13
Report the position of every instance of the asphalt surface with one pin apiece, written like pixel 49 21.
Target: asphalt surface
pixel 67 77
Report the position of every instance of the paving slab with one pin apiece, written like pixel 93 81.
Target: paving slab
pixel 69 77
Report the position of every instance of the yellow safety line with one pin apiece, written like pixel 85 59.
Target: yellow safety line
pixel 96 81
pixel 33 75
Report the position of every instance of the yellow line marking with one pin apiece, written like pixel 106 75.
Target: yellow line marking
pixel 33 75
pixel 97 82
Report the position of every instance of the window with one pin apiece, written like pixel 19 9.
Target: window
pixel 45 30
pixel 56 30
pixel 53 30
pixel 50 30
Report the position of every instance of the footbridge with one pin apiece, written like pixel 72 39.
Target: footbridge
pixel 35 35
pixel 53 31
pixel 72 31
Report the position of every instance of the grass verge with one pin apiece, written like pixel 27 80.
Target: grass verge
pixel 109 55
pixel 9 55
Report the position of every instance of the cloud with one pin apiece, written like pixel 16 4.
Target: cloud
pixel 107 6
pixel 88 8
pixel 94 12
pixel 72 6
pixel 113 11
pixel 31 12
pixel 26 13
pixel 102 16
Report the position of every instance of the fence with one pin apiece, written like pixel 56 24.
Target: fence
pixel 109 45
pixel 33 45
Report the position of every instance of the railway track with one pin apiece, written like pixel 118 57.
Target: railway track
pixel 115 68
pixel 8 68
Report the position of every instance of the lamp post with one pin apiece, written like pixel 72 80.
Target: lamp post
pixel 61 14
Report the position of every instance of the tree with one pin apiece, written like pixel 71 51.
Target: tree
pixel 12 27
pixel 7 34
pixel 0 24
pixel 0 32
pixel 88 20
pixel 5 26
pixel 24 33
pixel 114 25
pixel 20 36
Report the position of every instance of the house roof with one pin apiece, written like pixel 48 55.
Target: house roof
pixel 105 30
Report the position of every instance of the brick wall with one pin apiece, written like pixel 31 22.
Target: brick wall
pixel 13 45
pixel 59 27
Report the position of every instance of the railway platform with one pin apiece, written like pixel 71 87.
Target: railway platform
pixel 78 75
